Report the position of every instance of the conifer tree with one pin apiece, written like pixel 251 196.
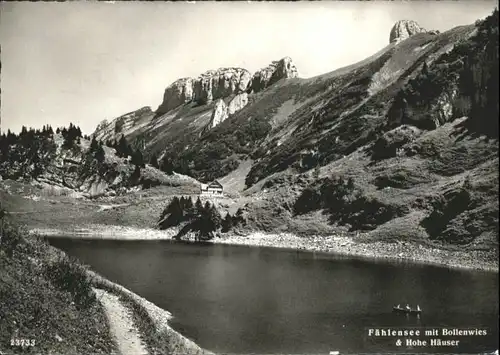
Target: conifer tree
pixel 198 206
pixel 93 145
pixel 123 149
pixel 154 161
pixel 227 223
pixel 99 153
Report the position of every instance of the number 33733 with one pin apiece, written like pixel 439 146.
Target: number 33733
pixel 22 342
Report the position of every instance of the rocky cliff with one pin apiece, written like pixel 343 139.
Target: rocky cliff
pixel 219 114
pixel 224 82
pixel 221 83
pixel 221 111
pixel 277 70
pixel 178 93
pixel 404 29
pixel 114 129
pixel 209 86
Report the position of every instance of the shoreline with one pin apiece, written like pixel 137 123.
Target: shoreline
pixel 405 252
pixel 150 322
pixel 158 316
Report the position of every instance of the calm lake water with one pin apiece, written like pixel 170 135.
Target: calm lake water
pixel 237 299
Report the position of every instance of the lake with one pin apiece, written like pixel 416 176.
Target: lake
pixel 239 299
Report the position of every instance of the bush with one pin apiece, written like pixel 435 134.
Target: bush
pixel 366 213
pixel 331 194
pixel 344 204
pixel 69 275
pixel 387 146
pixel 309 200
pixel 445 209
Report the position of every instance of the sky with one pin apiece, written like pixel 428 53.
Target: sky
pixel 83 62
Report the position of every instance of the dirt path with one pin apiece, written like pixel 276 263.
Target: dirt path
pixel 121 325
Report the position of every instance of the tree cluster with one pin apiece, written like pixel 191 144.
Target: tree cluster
pixel 26 154
pixel 204 220
pixel 125 150
pixel 167 166
pixel 71 135
pixel 96 150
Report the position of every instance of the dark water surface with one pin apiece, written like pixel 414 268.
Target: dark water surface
pixel 237 299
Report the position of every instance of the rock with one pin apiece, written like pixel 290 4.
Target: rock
pixel 222 111
pixel 219 114
pixel 237 103
pixel 224 82
pixel 102 126
pixel 277 70
pixel 387 145
pixel 115 128
pixel 443 106
pixel 221 83
pixel 176 94
pixel 209 86
pixel 404 29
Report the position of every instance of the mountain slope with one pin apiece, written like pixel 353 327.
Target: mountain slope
pixel 413 126
pixel 291 118
pixel 402 146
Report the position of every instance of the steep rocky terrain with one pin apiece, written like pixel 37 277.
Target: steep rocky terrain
pixel 192 106
pixel 402 146
pixel 412 126
pixel 404 29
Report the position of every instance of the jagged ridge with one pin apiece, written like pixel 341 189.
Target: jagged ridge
pixel 224 82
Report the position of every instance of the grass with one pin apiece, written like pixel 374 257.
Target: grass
pixel 151 322
pixel 42 306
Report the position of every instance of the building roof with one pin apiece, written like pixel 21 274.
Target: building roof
pixel 215 184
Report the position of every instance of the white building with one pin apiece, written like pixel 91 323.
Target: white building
pixel 212 189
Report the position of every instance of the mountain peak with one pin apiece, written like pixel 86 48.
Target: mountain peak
pixel 404 29
pixel 277 70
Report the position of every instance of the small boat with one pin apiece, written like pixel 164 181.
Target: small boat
pixel 407 309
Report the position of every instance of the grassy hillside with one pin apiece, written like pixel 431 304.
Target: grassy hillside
pixel 46 300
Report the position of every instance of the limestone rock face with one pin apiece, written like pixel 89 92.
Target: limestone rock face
pixel 209 86
pixel 219 114
pixel 237 103
pixel 404 29
pixel 222 111
pixel 111 130
pixel 176 94
pixel 221 83
pixel 277 70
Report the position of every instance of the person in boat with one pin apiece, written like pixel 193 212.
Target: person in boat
pixel 407 307
pixel 418 308
pixel 399 306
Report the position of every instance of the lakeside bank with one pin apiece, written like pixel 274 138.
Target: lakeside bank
pixel 82 311
pixel 410 252
pixel 152 321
